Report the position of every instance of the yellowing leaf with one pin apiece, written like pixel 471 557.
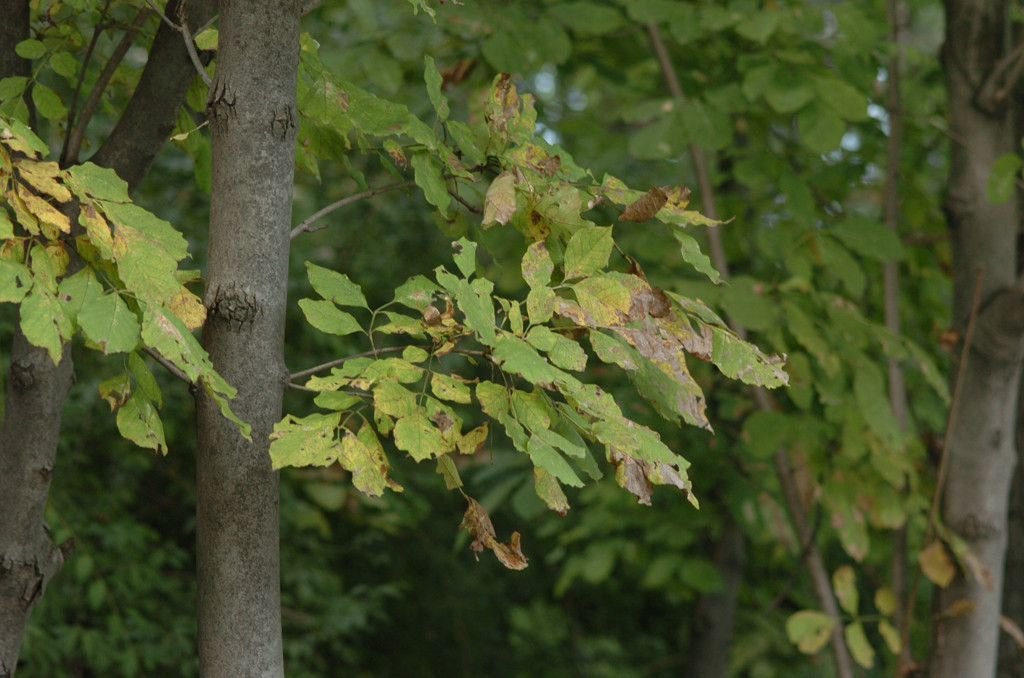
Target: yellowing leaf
pixel 473 442
pixel 844 584
pixel 809 630
pixel 500 201
pixel 305 441
pixel 43 176
pixel 885 601
pixel 860 648
pixel 416 435
pixel 936 564
pixel 44 211
pixel 550 491
pixel 446 388
pixel 189 308
pixel 891 636
pixel 44 323
pixel 588 252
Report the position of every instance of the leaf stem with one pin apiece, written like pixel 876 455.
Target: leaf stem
pixel 339 361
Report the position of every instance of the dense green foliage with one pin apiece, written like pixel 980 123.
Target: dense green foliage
pixel 786 102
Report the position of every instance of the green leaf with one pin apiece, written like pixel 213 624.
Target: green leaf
pixel 144 378
pixel 869 389
pixel 757 80
pixel 546 457
pixel 207 40
pixel 842 97
pixel 428 177
pixel 692 255
pixel 869 238
pixel 416 435
pixel 1002 178
pixel 12 87
pixel 434 82
pixel 478 308
pixel 326 317
pixel 764 431
pixel 334 400
pixel 759 26
pixel 417 292
pixel 43 322
pixel 587 253
pixel 707 128
pixel 892 637
pixel 741 360
pixel 108 322
pixel 548 489
pixel 466 140
pixel 757 312
pixel 335 286
pixel 860 648
pixel 588 18
pixel 540 304
pixel 838 260
pixel 789 91
pixel 138 421
pixel 47 102
pixel 820 127
pixel 465 257
pixel 447 388
pixel 98 182
pixel 446 467
pixel 165 332
pixel 809 630
pixel 15 281
pixel 30 49
pixel 507 53
pixel 513 354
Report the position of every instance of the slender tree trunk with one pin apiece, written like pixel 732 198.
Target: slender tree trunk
pixel 981 454
pixel 1011 655
pixel 36 388
pixel 252 111
pixel 716 612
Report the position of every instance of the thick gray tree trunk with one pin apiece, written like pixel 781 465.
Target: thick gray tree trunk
pixel 36 388
pixel 253 119
pixel 981 450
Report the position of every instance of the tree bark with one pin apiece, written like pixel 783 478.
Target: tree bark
pixel 36 388
pixel 1011 656
pixel 716 612
pixel 981 454
pixel 253 118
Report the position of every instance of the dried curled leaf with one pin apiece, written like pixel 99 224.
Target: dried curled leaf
pixel 645 207
pixel 479 525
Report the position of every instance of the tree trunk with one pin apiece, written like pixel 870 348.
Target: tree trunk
pixel 36 388
pixel 981 454
pixel 252 112
pixel 716 612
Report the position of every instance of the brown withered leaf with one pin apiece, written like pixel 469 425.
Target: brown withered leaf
pixel 431 316
pixel 478 523
pixel 645 207
pixel 660 306
pixel 629 474
pixel 1011 628
pixel 457 73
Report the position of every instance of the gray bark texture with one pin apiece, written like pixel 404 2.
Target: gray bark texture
pixel 981 450
pixel 1011 656
pixel 253 119
pixel 36 388
pixel 35 393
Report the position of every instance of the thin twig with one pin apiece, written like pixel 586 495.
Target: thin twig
pixel 804 551
pixel 173 26
pixel 950 427
pixel 168 365
pixel 74 144
pixel 339 361
pixel 472 208
pixel 81 78
pixel 299 387
pixel 304 227
pixel 190 45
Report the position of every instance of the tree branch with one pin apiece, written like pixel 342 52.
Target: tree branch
pixel 78 87
pixel 304 227
pixel 339 361
pixel 168 365
pixel 74 140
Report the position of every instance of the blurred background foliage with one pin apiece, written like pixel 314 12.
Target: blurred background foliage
pixel 788 102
